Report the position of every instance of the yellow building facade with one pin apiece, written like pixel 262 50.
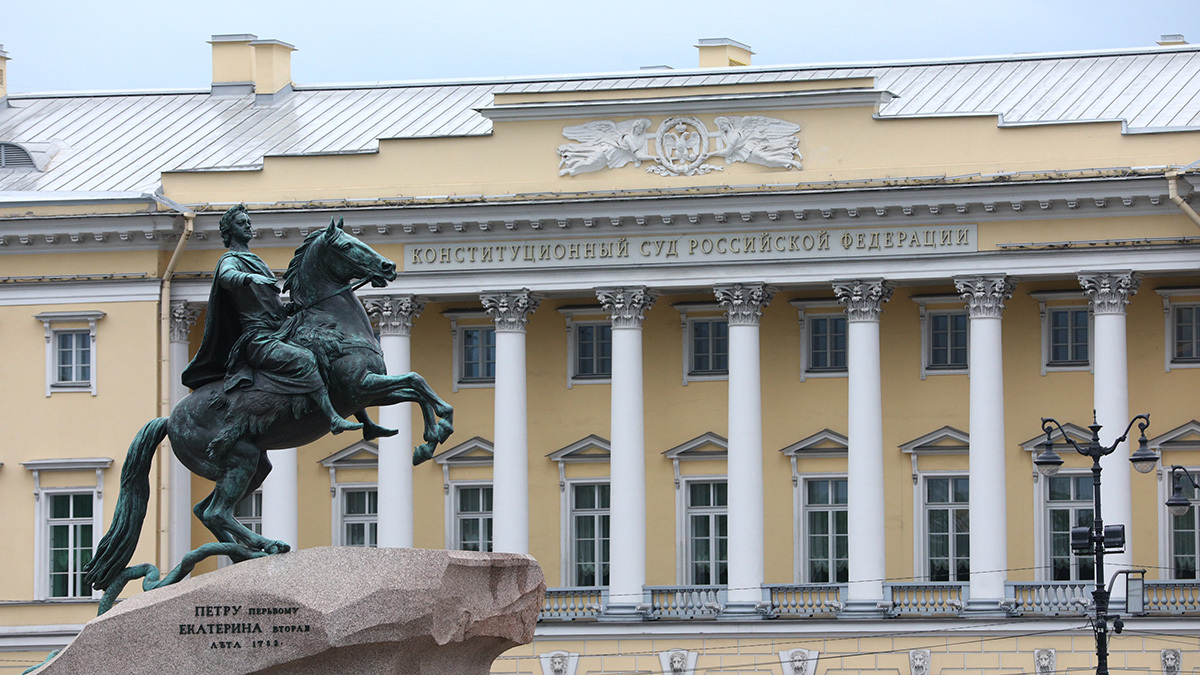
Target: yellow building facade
pixel 751 359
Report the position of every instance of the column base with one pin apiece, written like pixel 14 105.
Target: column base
pixel 744 611
pixel 865 609
pixel 624 612
pixel 985 607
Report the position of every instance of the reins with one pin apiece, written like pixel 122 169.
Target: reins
pixel 293 308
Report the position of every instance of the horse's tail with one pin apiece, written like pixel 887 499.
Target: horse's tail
pixel 116 548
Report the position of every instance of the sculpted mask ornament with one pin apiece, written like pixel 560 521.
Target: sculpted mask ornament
pixel 1172 661
pixel 799 662
pixel 559 663
pixel 1044 661
pixel 683 145
pixel 678 662
pixel 918 661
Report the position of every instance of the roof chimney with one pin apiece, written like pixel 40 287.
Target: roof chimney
pixel 1171 40
pixel 723 53
pixel 272 67
pixel 233 64
pixel 3 74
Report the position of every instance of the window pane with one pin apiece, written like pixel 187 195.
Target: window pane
pixel 840 491
pixel 699 494
pixel 60 506
pixel 938 490
pixel 468 500
pixel 1060 488
pixel 585 496
pixel 818 492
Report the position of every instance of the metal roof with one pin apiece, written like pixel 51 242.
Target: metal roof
pixel 121 142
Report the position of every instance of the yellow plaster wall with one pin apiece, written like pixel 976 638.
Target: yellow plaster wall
pixel 63 263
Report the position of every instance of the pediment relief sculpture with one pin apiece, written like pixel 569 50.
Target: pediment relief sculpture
pixel 682 146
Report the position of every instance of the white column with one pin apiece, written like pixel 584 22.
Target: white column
pixel 743 305
pixel 394 480
pixel 627 463
pixel 510 477
pixel 865 511
pixel 183 317
pixel 1109 293
pixel 985 298
pixel 280 517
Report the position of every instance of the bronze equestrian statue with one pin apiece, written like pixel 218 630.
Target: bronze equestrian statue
pixel 267 376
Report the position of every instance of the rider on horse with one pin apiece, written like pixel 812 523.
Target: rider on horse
pixel 243 343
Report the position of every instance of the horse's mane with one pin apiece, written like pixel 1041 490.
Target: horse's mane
pixel 293 270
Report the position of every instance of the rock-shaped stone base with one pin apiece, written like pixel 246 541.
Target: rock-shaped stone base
pixel 321 610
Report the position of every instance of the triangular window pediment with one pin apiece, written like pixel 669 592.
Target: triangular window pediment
pixel 590 448
pixel 944 441
pixel 360 455
pixel 705 446
pixel 1075 432
pixel 824 443
pixel 1183 437
pixel 477 451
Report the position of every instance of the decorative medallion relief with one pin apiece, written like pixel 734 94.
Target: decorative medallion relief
pixel 677 662
pixel 682 145
pixel 918 661
pixel 1172 661
pixel 1044 661
pixel 799 661
pixel 559 663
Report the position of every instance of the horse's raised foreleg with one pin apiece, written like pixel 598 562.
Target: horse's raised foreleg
pixel 384 384
pixel 242 476
pixel 390 389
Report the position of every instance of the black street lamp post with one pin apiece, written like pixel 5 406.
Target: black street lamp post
pixel 1099 539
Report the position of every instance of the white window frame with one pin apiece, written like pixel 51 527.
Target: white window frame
pixel 41 517
pixel 457 328
pixel 343 519
pixel 1180 443
pixel 803 509
pixel 946 304
pixel 1044 309
pixel 594 315
pixel 689 313
pixel 249 522
pixel 452 513
pixel 570 510
pixel 946 441
pixel 1173 297
pixel 55 323
pixel 589 449
pixel 805 318
pixel 1045 563
pixel 1168 520
pixel 824 443
pixel 1040 518
pixel 683 524
pixel 921 527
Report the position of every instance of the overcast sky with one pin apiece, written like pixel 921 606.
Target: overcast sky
pixel 73 45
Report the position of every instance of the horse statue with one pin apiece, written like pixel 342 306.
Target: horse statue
pixel 331 322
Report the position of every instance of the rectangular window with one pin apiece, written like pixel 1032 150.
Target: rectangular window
pixel 707 534
pixel 360 517
pixel 71 539
pixel 947 527
pixel 589 534
pixel 1068 336
pixel 826 530
pixel 1186 334
pixel 1185 537
pixel 473 518
pixel 248 512
pixel 827 343
pixel 478 358
pixel 947 340
pixel 1068 504
pixel 73 358
pixel 709 347
pixel 593 350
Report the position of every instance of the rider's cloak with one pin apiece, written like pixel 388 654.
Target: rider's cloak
pixel 222 325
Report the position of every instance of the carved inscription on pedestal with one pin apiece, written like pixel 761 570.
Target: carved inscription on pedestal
pixel 234 626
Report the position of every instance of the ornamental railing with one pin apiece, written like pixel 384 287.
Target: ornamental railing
pixel 572 603
pixel 1172 597
pixel 1048 598
pixel 685 602
pixel 926 598
pixel 805 600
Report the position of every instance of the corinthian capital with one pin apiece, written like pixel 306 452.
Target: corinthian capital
pixel 626 306
pixel 863 298
pixel 510 309
pixel 1109 291
pixel 743 303
pixel 183 317
pixel 985 295
pixel 394 314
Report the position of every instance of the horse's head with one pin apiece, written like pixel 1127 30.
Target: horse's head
pixel 340 257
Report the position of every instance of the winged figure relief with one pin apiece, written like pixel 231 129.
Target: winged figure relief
pixel 603 144
pixel 759 140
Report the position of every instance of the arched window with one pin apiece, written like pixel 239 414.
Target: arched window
pixel 13 156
